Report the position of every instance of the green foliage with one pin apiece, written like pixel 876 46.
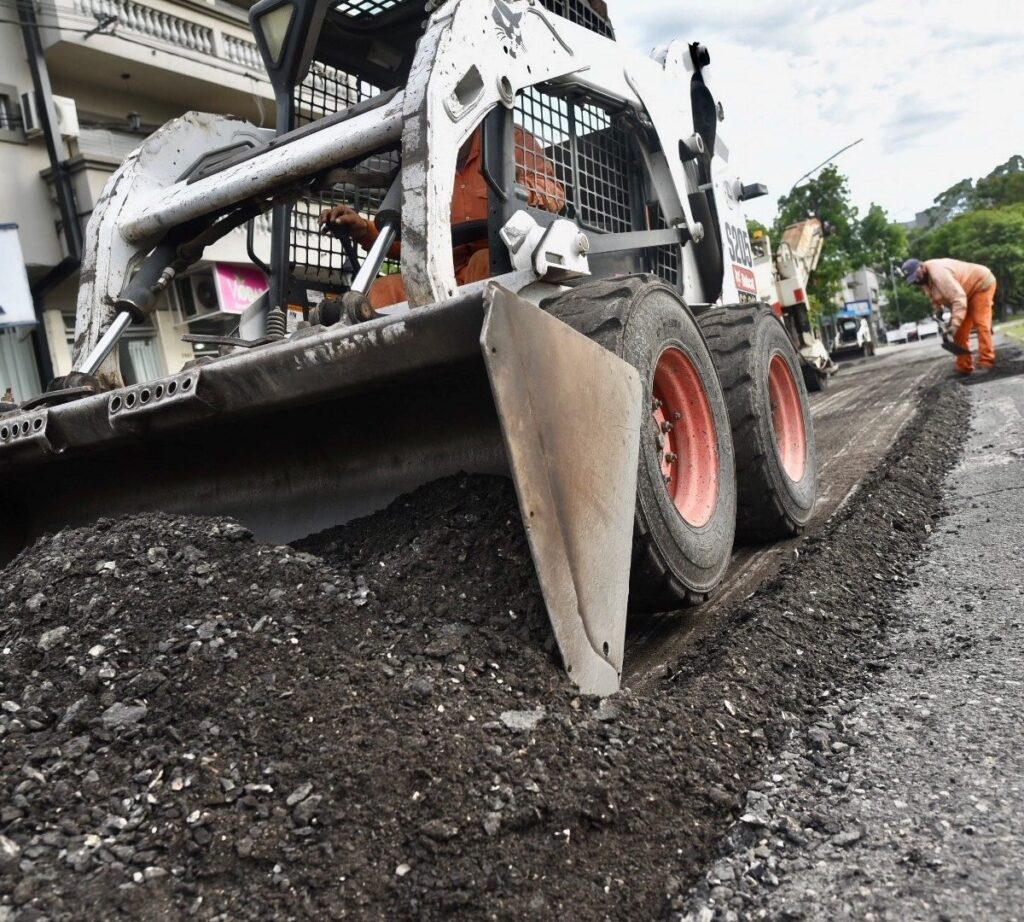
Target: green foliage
pixel 878 240
pixel 1003 186
pixel 914 304
pixel 753 225
pixel 993 237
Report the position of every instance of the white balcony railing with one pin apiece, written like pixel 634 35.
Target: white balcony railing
pixel 242 52
pixel 144 20
pixel 163 27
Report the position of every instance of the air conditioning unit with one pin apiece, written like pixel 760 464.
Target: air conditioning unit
pixel 67 116
pixel 204 294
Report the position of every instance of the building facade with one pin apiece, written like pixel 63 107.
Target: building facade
pixel 863 284
pixel 118 70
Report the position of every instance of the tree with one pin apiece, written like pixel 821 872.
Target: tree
pixel 993 237
pixel 878 240
pixel 955 200
pixel 1003 186
pixel 914 304
pixel 827 197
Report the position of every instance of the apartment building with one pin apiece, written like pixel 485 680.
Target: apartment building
pixel 118 69
pixel 863 284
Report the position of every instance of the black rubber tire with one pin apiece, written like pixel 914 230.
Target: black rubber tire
pixel 743 340
pixel 814 380
pixel 637 317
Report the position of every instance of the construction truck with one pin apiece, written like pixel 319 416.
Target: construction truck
pixel 615 360
pixel 854 328
pixel 782 278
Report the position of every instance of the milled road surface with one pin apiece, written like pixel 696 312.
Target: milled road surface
pixel 369 725
pixel 856 421
pixel 908 804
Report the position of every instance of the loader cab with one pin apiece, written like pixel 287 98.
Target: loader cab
pixel 365 48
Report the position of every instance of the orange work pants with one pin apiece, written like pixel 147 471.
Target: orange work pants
pixel 979 317
pixel 390 289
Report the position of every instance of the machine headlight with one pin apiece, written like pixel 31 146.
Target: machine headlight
pixel 274 25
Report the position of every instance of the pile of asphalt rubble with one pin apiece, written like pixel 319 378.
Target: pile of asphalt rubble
pixel 372 723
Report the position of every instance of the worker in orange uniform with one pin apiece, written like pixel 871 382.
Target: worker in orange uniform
pixel 469 203
pixel 968 289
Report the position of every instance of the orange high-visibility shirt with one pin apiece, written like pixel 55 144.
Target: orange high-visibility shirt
pixel 953 282
pixel 534 170
pixel 469 198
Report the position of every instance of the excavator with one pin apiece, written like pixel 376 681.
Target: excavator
pixel 614 361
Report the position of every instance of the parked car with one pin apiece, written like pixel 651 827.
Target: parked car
pixel 896 335
pixel 927 328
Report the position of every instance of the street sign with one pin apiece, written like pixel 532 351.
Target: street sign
pixel 16 308
pixel 855 309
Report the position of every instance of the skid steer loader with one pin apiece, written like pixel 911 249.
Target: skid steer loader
pixel 616 363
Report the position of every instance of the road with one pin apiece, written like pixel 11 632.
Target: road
pixel 909 785
pixel 855 422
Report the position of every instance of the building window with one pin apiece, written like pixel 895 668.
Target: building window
pixel 10 115
pixel 19 373
pixel 8 121
pixel 138 351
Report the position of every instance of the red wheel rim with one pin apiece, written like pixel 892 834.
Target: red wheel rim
pixel 787 418
pixel 688 443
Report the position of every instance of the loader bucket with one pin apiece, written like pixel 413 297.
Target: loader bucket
pixel 333 424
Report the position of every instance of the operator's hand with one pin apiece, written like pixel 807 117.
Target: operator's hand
pixel 341 219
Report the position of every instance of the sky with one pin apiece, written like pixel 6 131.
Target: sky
pixel 935 89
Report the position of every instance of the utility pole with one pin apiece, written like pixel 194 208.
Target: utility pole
pixel 895 295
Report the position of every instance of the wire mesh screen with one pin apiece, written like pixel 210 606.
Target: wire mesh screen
pixel 318 259
pixel 359 8
pixel 575 155
pixel 603 165
pixel 580 12
pixel 664 260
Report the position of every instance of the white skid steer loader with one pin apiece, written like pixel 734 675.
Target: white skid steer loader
pixel 616 362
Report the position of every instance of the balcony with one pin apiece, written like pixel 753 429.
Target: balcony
pixel 182 55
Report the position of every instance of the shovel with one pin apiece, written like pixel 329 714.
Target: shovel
pixel 953 347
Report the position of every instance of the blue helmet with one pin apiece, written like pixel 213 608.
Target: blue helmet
pixel 910 270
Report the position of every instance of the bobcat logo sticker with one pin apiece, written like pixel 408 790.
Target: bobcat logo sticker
pixel 509 26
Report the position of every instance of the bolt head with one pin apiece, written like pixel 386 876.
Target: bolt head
pixel 667 426
pixel 583 243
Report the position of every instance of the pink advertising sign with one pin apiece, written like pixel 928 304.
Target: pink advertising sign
pixel 237 286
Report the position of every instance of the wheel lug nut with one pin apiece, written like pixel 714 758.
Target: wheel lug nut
pixel 671 457
pixel 667 426
pixel 657 404
pixel 676 415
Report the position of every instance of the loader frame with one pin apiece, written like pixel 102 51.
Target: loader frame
pixel 225 164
